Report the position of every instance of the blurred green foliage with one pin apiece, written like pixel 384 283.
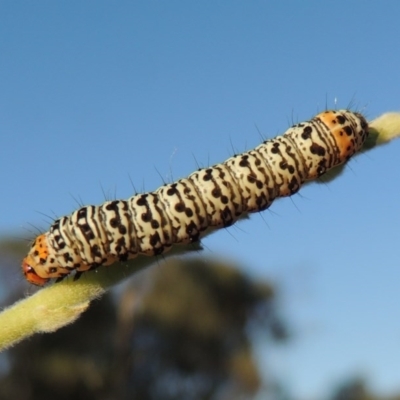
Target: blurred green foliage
pixel 179 330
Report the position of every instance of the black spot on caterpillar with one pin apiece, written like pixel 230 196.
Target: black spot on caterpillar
pixel 150 223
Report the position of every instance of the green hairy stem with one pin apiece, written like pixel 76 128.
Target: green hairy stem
pixel 60 304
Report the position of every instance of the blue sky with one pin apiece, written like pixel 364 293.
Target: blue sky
pixel 94 94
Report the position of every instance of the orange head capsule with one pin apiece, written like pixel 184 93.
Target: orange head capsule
pixel 32 265
pixel 30 274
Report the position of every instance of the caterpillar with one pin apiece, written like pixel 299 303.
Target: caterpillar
pixel 150 223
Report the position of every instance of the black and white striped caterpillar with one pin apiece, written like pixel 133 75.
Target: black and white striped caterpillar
pixel 150 223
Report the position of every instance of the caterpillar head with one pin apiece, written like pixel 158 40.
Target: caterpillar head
pixel 30 274
pixel 35 265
